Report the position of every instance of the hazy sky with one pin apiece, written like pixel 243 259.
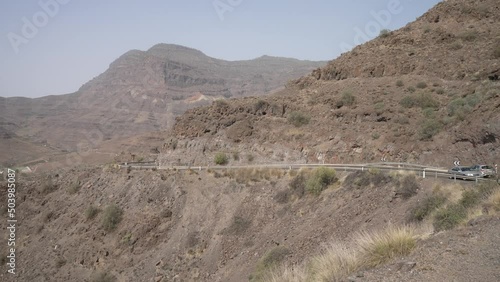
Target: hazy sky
pixel 52 47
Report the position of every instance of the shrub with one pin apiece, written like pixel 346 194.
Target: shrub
pixel 74 188
pixel 236 156
pixel 449 217
pixel 250 157
pixel 470 35
pixel 375 135
pixel 384 33
pixel 429 113
pixel 347 99
pixel 429 129
pixel 320 179
pixel 60 262
pixel 407 102
pixel 470 199
pixel 298 119
pixel 91 212
pixel 408 187
pixel 269 261
pixel 48 187
pixel 112 215
pixel 421 85
pixel 411 89
pixel 456 46
pixel 379 248
pixel 103 277
pixel 238 226
pixel 400 83
pixel 379 107
pixel 334 264
pixel 221 159
pixel 298 185
pixel 426 207
pixel 260 104
pixel 494 201
pixel 440 91
pixel 496 52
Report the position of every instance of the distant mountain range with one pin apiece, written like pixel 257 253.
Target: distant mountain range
pixel 142 91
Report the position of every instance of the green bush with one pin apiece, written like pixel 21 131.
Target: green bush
pixel 319 180
pixel 470 199
pixel 449 217
pixel 423 101
pixel 347 99
pixel 112 216
pixel 400 83
pixel 221 159
pixel 91 212
pixel 298 119
pixel 429 129
pixel 426 207
pixel 379 107
pixel 384 33
pixel 421 85
pixel 429 113
pixel 411 89
pixel 440 91
pixel 407 102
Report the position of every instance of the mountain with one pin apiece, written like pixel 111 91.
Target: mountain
pixel 143 91
pixel 110 223
pixel 426 93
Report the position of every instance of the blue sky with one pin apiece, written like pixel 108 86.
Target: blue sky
pixel 50 47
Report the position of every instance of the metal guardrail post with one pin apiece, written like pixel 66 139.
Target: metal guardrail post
pixel 423 173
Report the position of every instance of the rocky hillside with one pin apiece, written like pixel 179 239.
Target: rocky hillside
pixel 427 93
pixel 143 91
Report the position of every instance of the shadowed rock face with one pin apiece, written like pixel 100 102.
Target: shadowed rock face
pixel 144 91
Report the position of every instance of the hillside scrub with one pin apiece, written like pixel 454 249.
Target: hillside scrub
pixel 319 180
pixel 347 99
pixel 221 159
pixel 298 119
pixel 270 260
pixel 339 260
pixel 426 206
pixel 454 214
pixel 112 216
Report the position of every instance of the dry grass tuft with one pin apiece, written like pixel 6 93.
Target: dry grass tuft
pixel 340 260
pixel 334 264
pixel 378 248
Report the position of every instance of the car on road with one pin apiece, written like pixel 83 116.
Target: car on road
pixel 484 170
pixel 464 172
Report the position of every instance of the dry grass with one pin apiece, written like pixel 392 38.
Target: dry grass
pixel 378 248
pixel 334 264
pixel 247 175
pixel 494 201
pixel 287 274
pixel 340 260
